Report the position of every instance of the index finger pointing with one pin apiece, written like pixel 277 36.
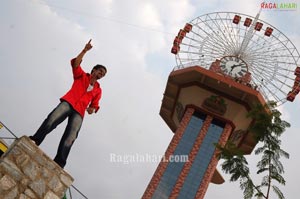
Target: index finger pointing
pixel 90 41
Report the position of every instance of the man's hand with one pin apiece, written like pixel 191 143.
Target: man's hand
pixel 90 110
pixel 88 46
pixel 79 57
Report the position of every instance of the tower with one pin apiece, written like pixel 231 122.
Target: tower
pixel 217 81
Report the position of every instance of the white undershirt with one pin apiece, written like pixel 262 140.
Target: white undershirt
pixel 90 88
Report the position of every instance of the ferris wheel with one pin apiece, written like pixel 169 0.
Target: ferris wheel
pixel 242 45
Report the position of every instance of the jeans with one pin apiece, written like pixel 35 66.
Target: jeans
pixel 57 116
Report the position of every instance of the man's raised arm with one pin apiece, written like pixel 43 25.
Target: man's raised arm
pixel 79 57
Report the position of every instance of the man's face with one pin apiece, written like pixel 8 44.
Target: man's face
pixel 98 73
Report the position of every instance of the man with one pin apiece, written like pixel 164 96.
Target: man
pixel 84 95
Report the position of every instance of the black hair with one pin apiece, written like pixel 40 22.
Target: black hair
pixel 98 66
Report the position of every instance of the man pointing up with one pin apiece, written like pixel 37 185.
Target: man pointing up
pixel 84 95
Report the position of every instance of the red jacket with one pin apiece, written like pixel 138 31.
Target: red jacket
pixel 78 96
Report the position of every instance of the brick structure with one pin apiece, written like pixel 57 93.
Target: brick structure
pixel 211 168
pixel 162 166
pixel 181 177
pixel 27 173
pixel 192 155
pixel 202 108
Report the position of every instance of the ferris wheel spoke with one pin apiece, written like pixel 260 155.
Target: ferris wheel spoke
pixel 265 48
pixel 227 37
pixel 278 59
pixel 211 43
pixel 221 38
pixel 276 89
pixel 229 31
pixel 281 71
pixel 214 39
pixel 192 46
pixel 230 45
pixel 267 45
pixel 272 88
pixel 267 80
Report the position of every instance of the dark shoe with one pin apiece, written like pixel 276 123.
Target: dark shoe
pixel 32 139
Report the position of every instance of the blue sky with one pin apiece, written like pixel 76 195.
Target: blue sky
pixel 133 39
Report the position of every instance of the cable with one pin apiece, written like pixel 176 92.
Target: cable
pixel 103 18
pixel 79 191
pixel 8 129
